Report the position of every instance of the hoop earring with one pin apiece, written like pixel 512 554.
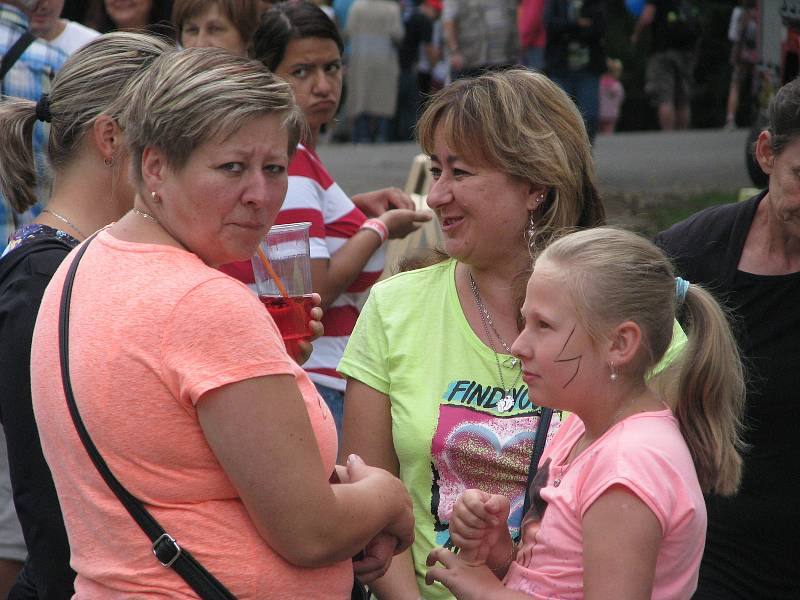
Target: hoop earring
pixel 109 162
pixel 614 375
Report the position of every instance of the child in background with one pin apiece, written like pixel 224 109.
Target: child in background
pixel 743 35
pixel 617 507
pixel 612 95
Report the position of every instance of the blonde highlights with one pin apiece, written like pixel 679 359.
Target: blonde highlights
pixel 522 124
pixel 615 276
pixel 92 82
pixel 196 94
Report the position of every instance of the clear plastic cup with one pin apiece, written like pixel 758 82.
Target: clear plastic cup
pixel 286 291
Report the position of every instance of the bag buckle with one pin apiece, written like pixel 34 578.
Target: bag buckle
pixel 166 550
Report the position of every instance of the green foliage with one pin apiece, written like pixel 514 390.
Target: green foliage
pixel 667 213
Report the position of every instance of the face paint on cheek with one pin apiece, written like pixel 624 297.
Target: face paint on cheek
pixel 564 359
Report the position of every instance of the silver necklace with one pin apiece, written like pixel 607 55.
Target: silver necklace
pixel 507 402
pixel 141 213
pixel 66 220
pixel 511 361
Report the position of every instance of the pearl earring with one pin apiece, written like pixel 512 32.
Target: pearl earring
pixel 614 375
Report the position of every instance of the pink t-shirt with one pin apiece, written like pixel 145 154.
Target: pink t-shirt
pixel 647 454
pixel 612 95
pixel 152 330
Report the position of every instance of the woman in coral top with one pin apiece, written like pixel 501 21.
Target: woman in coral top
pixel 181 377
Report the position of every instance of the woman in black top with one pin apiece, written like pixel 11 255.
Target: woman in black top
pixel 749 253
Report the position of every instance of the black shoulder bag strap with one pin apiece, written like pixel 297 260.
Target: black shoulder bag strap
pixel 538 447
pixel 165 548
pixel 13 54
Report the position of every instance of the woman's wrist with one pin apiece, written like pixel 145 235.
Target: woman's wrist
pixel 378 227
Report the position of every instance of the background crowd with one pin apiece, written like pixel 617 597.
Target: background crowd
pixel 421 51
pixel 181 131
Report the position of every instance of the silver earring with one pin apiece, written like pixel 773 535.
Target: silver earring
pixel 155 197
pixel 109 162
pixel 614 375
pixel 530 231
pixel 540 198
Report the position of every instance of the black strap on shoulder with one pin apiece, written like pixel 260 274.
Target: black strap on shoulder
pixel 538 448
pixel 13 54
pixel 165 548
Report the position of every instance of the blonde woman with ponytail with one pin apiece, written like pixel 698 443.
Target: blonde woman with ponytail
pixel 617 505
pixel 90 190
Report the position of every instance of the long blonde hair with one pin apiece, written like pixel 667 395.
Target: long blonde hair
pixel 615 276
pixel 90 83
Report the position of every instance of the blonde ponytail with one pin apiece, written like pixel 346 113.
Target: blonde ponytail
pixel 92 82
pixel 710 395
pixel 615 276
pixel 17 165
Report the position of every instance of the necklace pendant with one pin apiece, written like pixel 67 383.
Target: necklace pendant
pixel 507 403
pixel 510 362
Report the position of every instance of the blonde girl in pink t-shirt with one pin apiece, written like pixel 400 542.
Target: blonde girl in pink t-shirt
pixel 617 505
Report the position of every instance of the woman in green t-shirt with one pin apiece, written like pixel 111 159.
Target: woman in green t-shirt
pixel 434 394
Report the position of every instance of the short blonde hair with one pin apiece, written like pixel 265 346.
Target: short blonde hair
pixel 92 82
pixel 522 124
pixel 614 276
pixel 196 94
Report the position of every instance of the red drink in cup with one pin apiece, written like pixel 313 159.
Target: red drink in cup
pixel 282 269
pixel 291 316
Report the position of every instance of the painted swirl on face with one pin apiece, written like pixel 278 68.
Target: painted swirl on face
pixel 561 358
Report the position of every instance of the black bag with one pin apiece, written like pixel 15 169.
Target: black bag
pixel 538 448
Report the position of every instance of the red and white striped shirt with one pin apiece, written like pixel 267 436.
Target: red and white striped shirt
pixel 315 197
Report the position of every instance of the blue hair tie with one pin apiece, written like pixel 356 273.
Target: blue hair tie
pixel 681 287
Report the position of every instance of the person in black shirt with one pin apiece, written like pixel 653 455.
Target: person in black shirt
pixel 574 56
pixel 749 254
pixel 670 67
pixel 418 35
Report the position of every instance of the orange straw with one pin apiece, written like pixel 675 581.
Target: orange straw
pixel 272 273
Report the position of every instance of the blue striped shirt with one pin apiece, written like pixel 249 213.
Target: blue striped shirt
pixel 29 78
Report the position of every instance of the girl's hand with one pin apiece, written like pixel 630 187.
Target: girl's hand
pixel 301 351
pixel 374 204
pixel 478 523
pixel 466 581
pixel 401 221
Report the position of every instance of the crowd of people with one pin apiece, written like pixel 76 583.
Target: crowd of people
pixel 542 406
